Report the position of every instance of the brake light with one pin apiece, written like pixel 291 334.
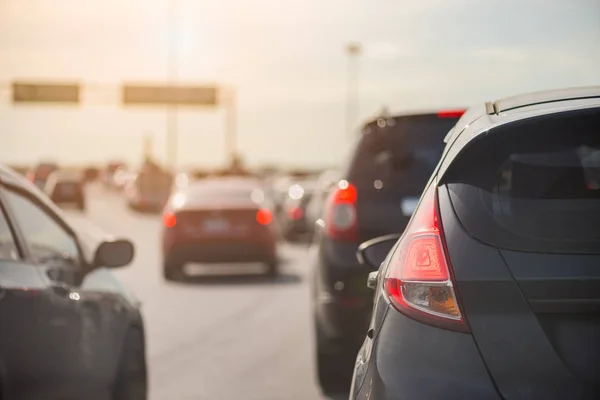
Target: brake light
pixel 295 213
pixel 341 218
pixel 418 278
pixel 451 113
pixel 264 216
pixel 169 219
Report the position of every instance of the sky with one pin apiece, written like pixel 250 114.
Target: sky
pixel 286 62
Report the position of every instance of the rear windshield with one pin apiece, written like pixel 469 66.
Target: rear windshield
pixel 533 186
pixel 399 150
pixel 154 183
pixel 230 193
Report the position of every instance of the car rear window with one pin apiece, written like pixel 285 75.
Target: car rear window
pixel 394 151
pixel 533 185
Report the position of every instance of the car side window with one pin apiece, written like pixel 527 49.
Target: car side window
pixel 8 248
pixel 47 240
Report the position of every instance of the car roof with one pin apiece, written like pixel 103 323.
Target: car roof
pixel 480 119
pixel 413 114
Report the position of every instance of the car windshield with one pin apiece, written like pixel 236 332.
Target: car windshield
pixel 398 149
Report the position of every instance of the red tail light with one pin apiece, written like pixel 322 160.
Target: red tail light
pixel 340 218
pixel 169 219
pixel 264 216
pixel 418 278
pixel 295 213
pixel 451 113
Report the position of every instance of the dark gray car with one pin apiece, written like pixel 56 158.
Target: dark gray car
pixel 493 290
pixel 378 188
pixel 68 329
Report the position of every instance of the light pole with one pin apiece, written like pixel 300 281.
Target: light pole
pixel 172 61
pixel 353 49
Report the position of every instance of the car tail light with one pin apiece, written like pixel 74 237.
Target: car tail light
pixel 451 113
pixel 264 216
pixel 295 213
pixel 418 278
pixel 169 219
pixel 341 218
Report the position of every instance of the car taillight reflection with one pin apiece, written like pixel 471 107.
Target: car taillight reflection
pixel 169 219
pixel 295 213
pixel 264 216
pixel 340 218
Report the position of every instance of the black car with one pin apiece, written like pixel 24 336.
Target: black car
pixel 150 188
pixel 380 185
pixel 68 329
pixel 66 188
pixel 39 174
pixel 218 220
pixel 292 218
pixel 493 290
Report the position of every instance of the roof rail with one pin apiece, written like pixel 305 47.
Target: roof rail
pixel 549 96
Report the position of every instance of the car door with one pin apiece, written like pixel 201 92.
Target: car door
pixel 21 287
pixel 68 321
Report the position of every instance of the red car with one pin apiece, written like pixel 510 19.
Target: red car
pixel 221 220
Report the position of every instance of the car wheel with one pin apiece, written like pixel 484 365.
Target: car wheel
pixel 334 366
pixel 173 271
pixel 131 382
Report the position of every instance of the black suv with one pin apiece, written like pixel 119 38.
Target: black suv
pixel 68 328
pixel 493 290
pixel 380 185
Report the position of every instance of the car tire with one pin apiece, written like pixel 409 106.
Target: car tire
pixel 334 365
pixel 131 382
pixel 173 271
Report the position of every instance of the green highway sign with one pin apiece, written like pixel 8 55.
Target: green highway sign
pixel 134 94
pixel 32 92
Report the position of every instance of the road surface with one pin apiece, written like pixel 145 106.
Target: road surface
pixel 232 337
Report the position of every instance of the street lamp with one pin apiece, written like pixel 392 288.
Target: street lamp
pixel 354 50
pixel 172 72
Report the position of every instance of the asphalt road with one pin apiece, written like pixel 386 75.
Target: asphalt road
pixel 226 337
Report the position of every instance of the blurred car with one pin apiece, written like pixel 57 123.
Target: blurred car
pixel 90 174
pixel 122 177
pixel 149 190
pixel 494 287
pixel 388 167
pixel 314 209
pixel 108 174
pixel 60 336
pixel 66 188
pixel 292 218
pixel 40 173
pixel 225 220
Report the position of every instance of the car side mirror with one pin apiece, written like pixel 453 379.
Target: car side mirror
pixel 114 254
pixel 373 252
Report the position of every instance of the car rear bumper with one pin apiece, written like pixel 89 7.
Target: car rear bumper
pixel 410 360
pixel 220 252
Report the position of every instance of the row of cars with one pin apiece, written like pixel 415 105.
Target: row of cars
pixel 457 256
pixel 68 327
